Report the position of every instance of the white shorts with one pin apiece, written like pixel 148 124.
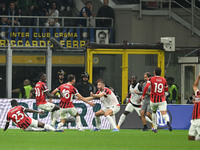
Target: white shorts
pixel 130 108
pixel 47 107
pixel 161 105
pixel 194 127
pixel 63 112
pixel 34 124
pixel 115 109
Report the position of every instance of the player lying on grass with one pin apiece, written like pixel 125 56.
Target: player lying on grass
pixel 111 106
pixel 134 102
pixel 67 91
pixel 157 96
pixel 194 131
pixel 17 115
pixel 41 91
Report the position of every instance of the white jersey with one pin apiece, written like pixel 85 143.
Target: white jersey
pixel 109 99
pixel 135 97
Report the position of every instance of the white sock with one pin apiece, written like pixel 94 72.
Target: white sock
pixel 166 118
pixel 197 138
pixel 112 123
pixel 48 127
pixel 78 122
pixel 154 120
pixel 148 119
pixel 98 122
pixel 60 125
pixel 121 119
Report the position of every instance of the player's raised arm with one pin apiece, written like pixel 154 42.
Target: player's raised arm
pixel 196 82
pixel 86 100
pixel 51 95
pixel 146 88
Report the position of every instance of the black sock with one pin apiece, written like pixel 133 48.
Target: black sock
pixel 145 126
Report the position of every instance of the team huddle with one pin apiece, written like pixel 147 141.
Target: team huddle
pixel 146 98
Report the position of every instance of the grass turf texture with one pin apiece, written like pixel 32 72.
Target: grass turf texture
pixel 14 139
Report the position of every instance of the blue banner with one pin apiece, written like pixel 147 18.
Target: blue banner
pixel 68 37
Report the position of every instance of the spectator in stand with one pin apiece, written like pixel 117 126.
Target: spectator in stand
pixel 61 79
pixel 26 8
pixel 53 14
pixel 86 12
pixel 2 11
pixel 173 91
pixel 11 11
pixel 105 11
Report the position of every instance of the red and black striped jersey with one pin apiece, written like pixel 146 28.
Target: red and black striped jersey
pixel 17 115
pixel 67 91
pixel 196 108
pixel 158 89
pixel 40 89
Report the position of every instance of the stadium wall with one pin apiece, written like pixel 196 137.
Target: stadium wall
pixel 180 115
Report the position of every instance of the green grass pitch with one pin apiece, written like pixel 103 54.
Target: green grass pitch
pixel 14 139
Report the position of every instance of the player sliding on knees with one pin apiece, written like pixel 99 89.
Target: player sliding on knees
pixel 194 131
pixel 17 115
pixel 41 91
pixel 134 102
pixel 111 106
pixel 67 91
pixel 157 96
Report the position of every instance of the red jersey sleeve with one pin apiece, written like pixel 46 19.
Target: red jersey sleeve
pixel 8 118
pixel 44 87
pixel 107 91
pixel 97 92
pixel 74 91
pixel 166 86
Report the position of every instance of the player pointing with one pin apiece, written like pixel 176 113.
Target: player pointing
pixel 17 115
pixel 194 131
pixel 67 91
pixel 111 106
pixel 157 97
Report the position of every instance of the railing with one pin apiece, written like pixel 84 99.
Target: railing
pixel 192 10
pixel 64 21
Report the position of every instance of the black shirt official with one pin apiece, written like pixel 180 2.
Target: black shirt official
pixel 84 87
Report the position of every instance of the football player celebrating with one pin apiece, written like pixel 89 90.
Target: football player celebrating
pixel 194 131
pixel 157 97
pixel 67 91
pixel 41 91
pixel 111 106
pixel 17 115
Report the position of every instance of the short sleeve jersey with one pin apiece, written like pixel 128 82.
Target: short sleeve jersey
pixel 67 91
pixel 109 99
pixel 158 86
pixel 17 115
pixel 40 89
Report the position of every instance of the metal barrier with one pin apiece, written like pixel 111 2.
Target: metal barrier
pixel 71 21
pixel 193 11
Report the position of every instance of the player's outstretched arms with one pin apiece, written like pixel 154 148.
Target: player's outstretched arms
pixel 86 100
pixel 98 95
pixel 6 126
pixel 34 111
pixel 51 96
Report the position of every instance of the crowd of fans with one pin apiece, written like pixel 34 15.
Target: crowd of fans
pixel 50 10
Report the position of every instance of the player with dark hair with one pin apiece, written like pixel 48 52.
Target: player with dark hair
pixel 111 106
pixel 146 108
pixel 41 91
pixel 135 90
pixel 17 115
pixel 67 90
pixel 194 131
pixel 157 96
